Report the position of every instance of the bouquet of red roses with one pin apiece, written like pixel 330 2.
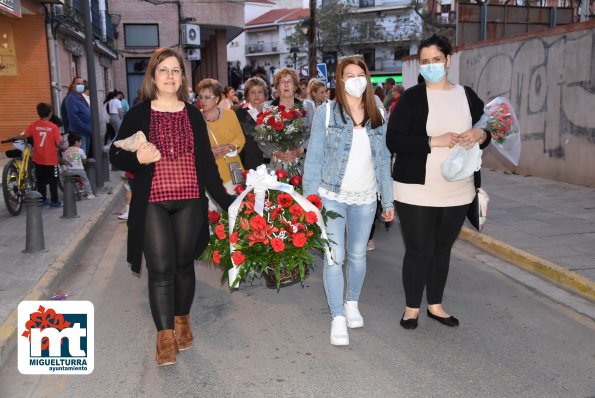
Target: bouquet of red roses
pixel 271 232
pixel 281 128
pixel 499 119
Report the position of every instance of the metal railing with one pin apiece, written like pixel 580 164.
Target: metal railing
pixel 70 14
pixel 264 47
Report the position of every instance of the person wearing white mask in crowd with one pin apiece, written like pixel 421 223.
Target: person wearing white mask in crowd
pixel 348 166
pixel 78 114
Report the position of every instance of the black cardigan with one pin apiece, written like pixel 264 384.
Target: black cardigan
pixel 406 134
pixel 138 119
pixel 251 155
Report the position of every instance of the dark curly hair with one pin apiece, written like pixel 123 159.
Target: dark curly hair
pixel 436 40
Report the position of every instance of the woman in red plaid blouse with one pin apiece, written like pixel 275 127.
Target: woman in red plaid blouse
pixel 168 218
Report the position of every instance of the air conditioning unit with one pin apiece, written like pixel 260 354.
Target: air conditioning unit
pixel 190 34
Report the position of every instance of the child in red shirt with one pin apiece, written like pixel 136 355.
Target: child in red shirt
pixel 46 141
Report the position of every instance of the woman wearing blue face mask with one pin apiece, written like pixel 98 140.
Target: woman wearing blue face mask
pixel 427 122
pixel 348 165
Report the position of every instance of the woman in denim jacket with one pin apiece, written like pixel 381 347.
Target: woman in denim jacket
pixel 348 165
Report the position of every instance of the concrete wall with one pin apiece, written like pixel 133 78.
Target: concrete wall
pixel 550 79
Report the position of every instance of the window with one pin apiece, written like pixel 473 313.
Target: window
pixel 146 35
pixel 366 3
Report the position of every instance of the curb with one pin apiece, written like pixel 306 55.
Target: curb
pixel 57 271
pixel 547 270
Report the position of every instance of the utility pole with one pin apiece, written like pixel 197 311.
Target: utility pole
pixel 92 79
pixel 313 68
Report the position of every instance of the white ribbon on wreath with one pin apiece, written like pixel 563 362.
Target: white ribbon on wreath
pixel 260 181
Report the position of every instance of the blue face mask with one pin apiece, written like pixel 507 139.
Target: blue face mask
pixel 432 73
pixel 80 88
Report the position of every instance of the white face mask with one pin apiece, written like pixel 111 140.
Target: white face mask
pixel 356 86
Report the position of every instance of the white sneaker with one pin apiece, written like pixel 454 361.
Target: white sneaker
pixel 339 334
pixel 123 216
pixel 354 318
pixel 90 196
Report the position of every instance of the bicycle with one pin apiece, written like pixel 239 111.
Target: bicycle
pixel 18 175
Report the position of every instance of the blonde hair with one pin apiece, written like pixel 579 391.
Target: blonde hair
pixel 148 90
pixel 313 86
pixel 371 111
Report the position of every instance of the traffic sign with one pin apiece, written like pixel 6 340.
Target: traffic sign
pixel 322 72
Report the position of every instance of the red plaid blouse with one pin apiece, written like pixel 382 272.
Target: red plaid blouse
pixel 175 174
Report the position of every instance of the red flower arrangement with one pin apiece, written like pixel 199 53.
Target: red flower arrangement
pixel 279 241
pixel 283 128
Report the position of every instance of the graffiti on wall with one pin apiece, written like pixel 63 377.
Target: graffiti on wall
pixel 550 82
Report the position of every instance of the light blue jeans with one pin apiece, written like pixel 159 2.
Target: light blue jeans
pixel 357 221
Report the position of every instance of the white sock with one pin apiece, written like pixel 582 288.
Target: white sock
pixel 127 208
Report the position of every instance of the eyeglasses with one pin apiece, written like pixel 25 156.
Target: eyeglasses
pixel 286 82
pixel 206 97
pixel 176 72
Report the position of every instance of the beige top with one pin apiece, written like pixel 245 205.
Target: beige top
pixel 448 112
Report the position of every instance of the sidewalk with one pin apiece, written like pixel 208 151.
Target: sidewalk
pixel 544 226
pixel 36 276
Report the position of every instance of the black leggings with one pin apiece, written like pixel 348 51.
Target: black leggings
pixel 429 233
pixel 171 232
pixel 47 175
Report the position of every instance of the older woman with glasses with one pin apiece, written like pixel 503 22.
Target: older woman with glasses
pixel 286 81
pixel 225 132
pixel 168 217
pixel 256 94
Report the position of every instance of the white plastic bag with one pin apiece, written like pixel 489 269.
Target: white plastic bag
pixel 461 163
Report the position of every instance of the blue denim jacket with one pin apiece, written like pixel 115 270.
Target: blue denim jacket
pixel 328 153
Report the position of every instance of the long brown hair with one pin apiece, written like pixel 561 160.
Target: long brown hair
pixel 148 90
pixel 371 111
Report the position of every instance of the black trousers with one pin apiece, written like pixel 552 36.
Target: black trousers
pixel 47 175
pixel 428 233
pixel 171 232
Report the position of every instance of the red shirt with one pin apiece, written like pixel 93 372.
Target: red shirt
pixel 175 174
pixel 46 138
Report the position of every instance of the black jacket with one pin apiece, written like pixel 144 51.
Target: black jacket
pixel 406 134
pixel 138 119
pixel 251 154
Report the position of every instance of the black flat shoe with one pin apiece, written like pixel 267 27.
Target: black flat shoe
pixel 408 323
pixel 450 321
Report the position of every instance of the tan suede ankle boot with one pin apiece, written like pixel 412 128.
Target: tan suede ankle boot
pixel 167 348
pixel 183 332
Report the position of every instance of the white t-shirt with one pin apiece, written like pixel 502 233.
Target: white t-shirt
pixel 74 157
pixel 359 183
pixel 114 104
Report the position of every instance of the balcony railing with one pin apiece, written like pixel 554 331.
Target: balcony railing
pixel 71 15
pixel 265 47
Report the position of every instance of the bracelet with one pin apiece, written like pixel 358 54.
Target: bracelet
pixel 484 136
pixel 430 142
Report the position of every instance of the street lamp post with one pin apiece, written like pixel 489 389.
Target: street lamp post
pixel 313 69
pixel 294 51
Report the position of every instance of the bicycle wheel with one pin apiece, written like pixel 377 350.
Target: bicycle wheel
pixel 13 196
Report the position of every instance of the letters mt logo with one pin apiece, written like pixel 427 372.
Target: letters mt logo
pixel 56 337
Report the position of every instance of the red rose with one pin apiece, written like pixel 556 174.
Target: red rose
pixel 315 200
pixel 245 173
pixel 244 224
pixel 281 174
pixel 220 231
pixel 284 200
pixel 296 210
pixel 278 245
pixel 299 239
pixel 238 258
pixel 296 181
pixel 233 238
pixel 239 189
pixel 279 126
pixel 311 217
pixel 216 257
pixel 258 222
pixel 281 108
pixel 213 216
pixel 272 122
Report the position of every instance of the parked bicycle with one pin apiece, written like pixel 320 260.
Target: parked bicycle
pixel 18 175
